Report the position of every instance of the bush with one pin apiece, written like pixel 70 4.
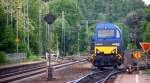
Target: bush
pixel 2 57
pixel 31 56
pixel 147 71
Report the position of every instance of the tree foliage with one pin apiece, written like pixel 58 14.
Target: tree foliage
pixel 75 12
pixel 146 35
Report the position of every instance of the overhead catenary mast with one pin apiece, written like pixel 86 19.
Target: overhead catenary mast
pixel 26 22
pixel 87 31
pixel 9 13
pixel 63 33
pixel 78 32
pixel 39 34
pixel 17 35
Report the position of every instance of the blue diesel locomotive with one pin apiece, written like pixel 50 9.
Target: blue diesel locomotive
pixel 107 48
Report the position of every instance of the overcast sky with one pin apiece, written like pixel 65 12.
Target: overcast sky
pixel 147 1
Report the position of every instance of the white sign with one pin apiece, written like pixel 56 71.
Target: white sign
pixel 47 59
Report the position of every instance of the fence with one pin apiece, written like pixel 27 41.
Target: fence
pixel 14 56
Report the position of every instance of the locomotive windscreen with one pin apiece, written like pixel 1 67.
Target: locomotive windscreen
pixel 103 33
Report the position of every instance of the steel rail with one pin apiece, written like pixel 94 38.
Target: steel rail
pixel 97 76
pixel 114 72
pixel 29 70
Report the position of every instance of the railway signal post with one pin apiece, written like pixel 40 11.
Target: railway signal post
pixel 137 56
pixel 49 18
pixel 63 34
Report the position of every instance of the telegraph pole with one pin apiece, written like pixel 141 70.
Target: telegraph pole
pixel 40 50
pixel 24 29
pixel 78 31
pixel 78 44
pixel 63 33
pixel 87 31
pixel 17 38
pixel 26 23
pixel 57 49
pixel 9 13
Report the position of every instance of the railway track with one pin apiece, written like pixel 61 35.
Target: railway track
pixel 98 76
pixel 26 71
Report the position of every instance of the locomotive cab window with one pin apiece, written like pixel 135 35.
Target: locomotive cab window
pixel 117 34
pixel 103 33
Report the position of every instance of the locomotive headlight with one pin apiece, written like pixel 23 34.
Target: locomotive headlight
pixel 113 51
pixel 116 44
pixel 98 52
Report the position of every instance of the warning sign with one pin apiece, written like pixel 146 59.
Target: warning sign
pixel 145 46
pixel 17 40
pixel 137 55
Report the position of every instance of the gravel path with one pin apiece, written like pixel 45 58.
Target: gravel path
pixel 68 74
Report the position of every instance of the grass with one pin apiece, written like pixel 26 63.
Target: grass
pixel 2 58
pixel 146 71
pixel 30 58
pixel 35 58
pixel 22 61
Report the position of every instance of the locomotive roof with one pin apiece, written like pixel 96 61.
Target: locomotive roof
pixel 106 25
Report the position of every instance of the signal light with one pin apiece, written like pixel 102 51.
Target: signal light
pixel 113 51
pixel 99 52
pixel 49 18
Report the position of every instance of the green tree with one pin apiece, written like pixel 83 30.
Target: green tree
pixel 125 31
pixel 7 37
pixel 58 35
pixel 147 13
pixel 146 36
pixel 147 33
pixel 71 11
pixel 8 40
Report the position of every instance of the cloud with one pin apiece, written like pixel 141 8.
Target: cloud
pixel 147 1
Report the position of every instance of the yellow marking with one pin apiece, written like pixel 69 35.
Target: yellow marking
pixel 119 56
pixel 92 58
pixel 105 49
